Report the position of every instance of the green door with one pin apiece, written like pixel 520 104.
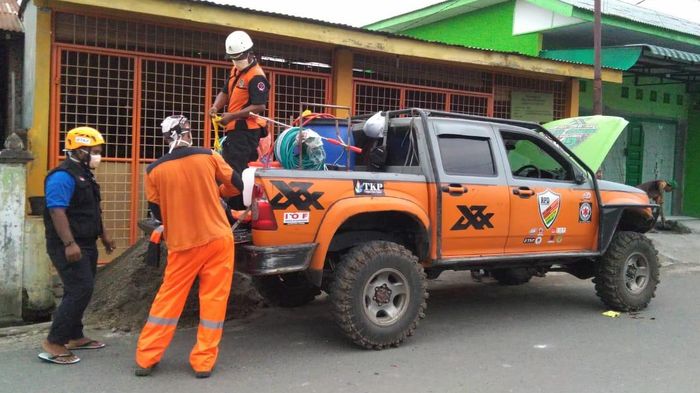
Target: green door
pixel 635 153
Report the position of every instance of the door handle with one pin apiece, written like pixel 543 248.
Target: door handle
pixel 523 192
pixel 457 189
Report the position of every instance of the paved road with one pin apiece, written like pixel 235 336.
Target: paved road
pixel 546 336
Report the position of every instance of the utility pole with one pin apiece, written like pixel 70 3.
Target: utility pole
pixel 597 81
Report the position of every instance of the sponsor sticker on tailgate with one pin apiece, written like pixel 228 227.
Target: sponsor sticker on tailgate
pixel 296 218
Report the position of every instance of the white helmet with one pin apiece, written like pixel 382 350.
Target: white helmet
pixel 174 126
pixel 374 126
pixel 238 42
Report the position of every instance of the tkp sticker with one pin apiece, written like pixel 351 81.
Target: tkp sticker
pixel 584 212
pixel 362 187
pixel 295 194
pixel 549 203
pixel 296 218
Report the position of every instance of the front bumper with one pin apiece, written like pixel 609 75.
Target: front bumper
pixel 261 261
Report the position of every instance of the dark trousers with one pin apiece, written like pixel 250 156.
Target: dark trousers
pixel 78 283
pixel 240 148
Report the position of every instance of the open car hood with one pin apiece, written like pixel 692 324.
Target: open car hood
pixel 589 137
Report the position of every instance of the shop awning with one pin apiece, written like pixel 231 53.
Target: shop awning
pixel 669 65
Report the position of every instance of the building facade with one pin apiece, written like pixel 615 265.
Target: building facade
pixel 122 67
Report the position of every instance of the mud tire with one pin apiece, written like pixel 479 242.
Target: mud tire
pixel 515 276
pixel 286 290
pixel 356 276
pixel 612 280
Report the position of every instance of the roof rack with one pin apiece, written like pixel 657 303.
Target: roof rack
pixel 425 113
pixel 433 113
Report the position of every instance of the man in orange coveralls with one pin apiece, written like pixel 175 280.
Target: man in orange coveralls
pixel 182 191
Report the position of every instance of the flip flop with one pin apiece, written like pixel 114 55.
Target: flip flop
pixel 59 359
pixel 92 344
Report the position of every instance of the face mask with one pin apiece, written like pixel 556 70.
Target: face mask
pixel 178 142
pixel 95 160
pixel 241 64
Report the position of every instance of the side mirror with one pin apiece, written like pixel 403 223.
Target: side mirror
pixel 579 178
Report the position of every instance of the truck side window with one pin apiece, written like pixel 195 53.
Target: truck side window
pixel 466 156
pixel 529 157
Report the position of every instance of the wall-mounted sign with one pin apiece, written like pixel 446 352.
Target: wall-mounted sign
pixel 529 106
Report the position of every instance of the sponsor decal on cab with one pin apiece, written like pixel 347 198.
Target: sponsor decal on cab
pixel 364 187
pixel 585 211
pixel 549 203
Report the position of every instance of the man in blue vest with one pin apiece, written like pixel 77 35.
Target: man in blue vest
pixel 73 221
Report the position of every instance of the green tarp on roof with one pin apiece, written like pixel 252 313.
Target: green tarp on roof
pixel 621 57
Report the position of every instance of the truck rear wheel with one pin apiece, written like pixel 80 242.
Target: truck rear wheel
pixel 514 276
pixel 379 294
pixel 628 273
pixel 286 290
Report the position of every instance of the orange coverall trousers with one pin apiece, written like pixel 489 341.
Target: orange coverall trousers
pixel 213 264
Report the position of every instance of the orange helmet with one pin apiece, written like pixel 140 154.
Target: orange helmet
pixel 83 137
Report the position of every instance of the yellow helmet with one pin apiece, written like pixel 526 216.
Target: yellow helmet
pixel 83 137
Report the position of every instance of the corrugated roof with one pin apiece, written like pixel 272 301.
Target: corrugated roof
pixel 624 57
pixel 672 54
pixel 639 14
pixel 365 30
pixel 9 20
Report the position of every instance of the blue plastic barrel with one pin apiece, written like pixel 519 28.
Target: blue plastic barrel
pixel 327 128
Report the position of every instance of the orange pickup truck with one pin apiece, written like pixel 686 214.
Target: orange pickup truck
pixel 440 191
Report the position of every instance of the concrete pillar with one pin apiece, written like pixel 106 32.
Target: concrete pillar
pixel 39 299
pixel 342 80
pixel 13 180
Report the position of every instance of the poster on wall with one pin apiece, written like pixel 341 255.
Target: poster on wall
pixel 531 106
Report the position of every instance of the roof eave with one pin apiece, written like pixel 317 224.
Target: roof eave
pixel 201 12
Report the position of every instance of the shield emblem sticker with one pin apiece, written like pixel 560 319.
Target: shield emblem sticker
pixel 549 203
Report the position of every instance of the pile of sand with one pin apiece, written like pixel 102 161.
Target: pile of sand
pixel 125 288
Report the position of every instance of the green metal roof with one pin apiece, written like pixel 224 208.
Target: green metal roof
pixel 639 17
pixel 673 54
pixel 622 57
pixel 642 60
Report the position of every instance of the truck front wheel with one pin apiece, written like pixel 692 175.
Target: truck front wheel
pixel 628 273
pixel 379 294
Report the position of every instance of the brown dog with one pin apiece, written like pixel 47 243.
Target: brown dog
pixel 655 190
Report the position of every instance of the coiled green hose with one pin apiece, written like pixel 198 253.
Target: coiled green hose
pixel 286 151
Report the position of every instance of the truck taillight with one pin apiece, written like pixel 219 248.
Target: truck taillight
pixel 263 215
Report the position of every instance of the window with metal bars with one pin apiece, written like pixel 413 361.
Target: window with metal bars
pixel 472 105
pixel 97 91
pixel 370 98
pixel 425 99
pixel 411 72
pixel 144 37
pixel 169 88
pixel 291 90
pixel 505 84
